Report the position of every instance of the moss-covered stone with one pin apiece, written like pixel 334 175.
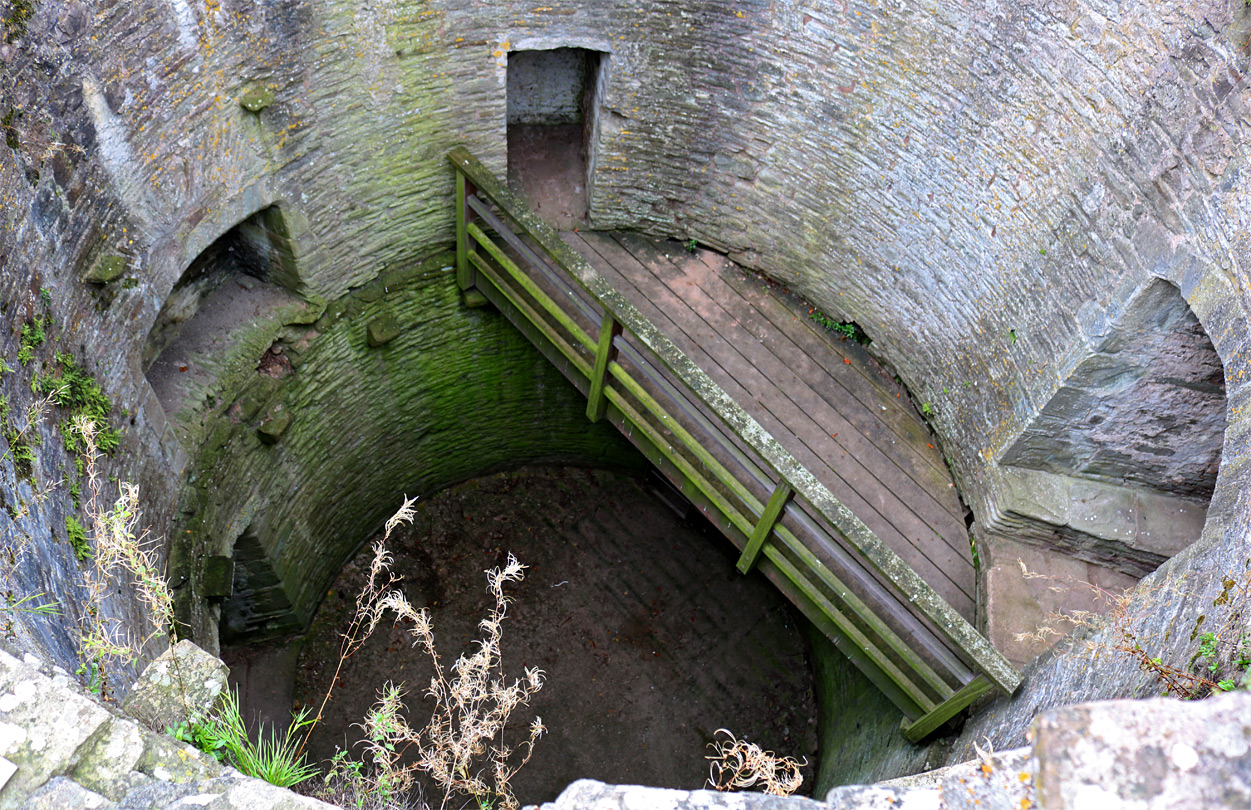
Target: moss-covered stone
pixel 382 330
pixel 106 269
pixel 274 425
pixel 256 99
pixel 219 573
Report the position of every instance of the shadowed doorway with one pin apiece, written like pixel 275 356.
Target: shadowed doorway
pixel 551 117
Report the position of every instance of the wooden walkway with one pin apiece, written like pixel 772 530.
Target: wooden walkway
pixel 810 464
pixel 819 396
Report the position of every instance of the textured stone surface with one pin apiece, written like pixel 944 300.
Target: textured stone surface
pixel 1024 607
pixel 981 189
pixel 587 794
pixel 1146 754
pixel 64 750
pixel 184 680
pixel 1145 407
pixel 1125 529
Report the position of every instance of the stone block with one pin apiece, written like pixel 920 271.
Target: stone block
pixel 106 269
pixel 107 763
pixel 219 574
pixel 1147 754
pixel 879 797
pixel 44 728
pixel 995 781
pixel 274 425
pixel 61 793
pixel 382 330
pixel 256 99
pixel 166 759
pixel 183 680
pixel 588 794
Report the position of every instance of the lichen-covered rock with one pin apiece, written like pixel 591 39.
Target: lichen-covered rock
pixel 45 728
pixel 107 763
pixel 62 793
pixel 183 680
pixel 1155 754
pixel 1002 780
pixel 588 794
pixel 881 797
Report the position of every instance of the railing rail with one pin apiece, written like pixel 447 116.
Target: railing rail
pixel 878 611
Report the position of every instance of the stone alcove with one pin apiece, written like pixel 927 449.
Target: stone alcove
pixel 1113 474
pixel 243 278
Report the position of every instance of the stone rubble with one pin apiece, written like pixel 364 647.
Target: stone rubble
pixel 60 748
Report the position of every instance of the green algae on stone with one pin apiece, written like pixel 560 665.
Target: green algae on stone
pixel 108 268
pixel 256 99
pixel 274 425
pixel 382 330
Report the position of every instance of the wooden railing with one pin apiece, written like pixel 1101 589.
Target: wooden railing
pixel 919 651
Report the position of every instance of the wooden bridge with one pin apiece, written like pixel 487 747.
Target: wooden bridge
pixel 819 474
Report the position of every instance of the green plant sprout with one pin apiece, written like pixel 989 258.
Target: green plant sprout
pixel 223 734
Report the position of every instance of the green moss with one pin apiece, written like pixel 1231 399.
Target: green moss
pixel 256 99
pixel 108 268
pixel 74 389
pixel 20 450
pixel 15 25
pixel 8 122
pixel 33 337
pixel 77 535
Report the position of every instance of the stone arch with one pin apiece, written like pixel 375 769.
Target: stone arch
pixel 1117 467
pixel 1143 408
pixel 245 276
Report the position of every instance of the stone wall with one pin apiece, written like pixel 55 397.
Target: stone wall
pixel 985 191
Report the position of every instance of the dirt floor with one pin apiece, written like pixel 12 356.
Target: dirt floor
pixel 547 167
pixel 651 641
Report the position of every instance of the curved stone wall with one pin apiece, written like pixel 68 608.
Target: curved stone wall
pixel 983 189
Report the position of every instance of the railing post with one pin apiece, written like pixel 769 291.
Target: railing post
pixel 605 353
pixel 768 519
pixel 466 275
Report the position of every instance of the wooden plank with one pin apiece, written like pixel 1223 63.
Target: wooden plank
pixel 681 436
pixel 604 354
pixel 813 418
pixel 862 662
pixel 764 526
pixel 896 675
pixel 566 349
pixel 464 272
pixel 859 379
pixel 641 425
pixel 557 313
pixel 890 517
pixel 819 359
pixel 949 708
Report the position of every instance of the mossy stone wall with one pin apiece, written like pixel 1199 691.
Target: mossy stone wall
pixel 982 189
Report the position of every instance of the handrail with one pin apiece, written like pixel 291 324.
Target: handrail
pixel 793 480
